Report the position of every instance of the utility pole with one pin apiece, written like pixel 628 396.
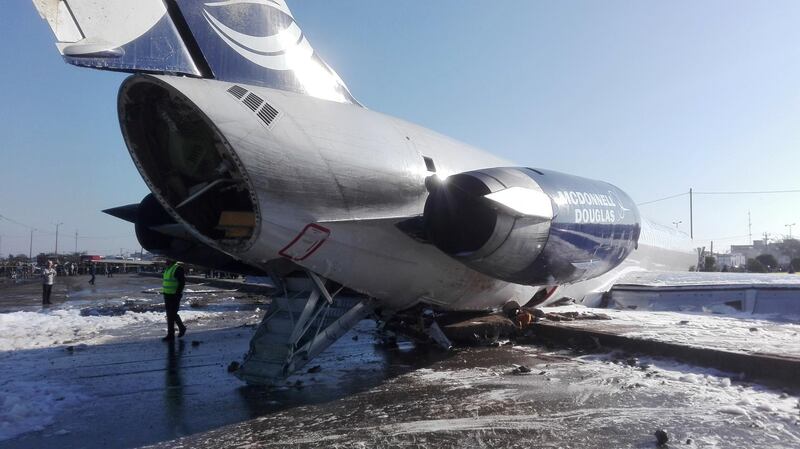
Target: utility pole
pixel 766 238
pixel 57 226
pixel 788 226
pixel 676 223
pixel 30 249
pixel 749 228
pixel 76 242
pixel 691 214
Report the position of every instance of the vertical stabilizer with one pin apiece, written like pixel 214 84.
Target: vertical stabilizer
pixel 254 42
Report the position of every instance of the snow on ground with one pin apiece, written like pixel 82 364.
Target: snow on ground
pixel 30 330
pixel 730 333
pixel 27 406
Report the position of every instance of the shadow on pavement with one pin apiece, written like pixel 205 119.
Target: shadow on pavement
pixel 146 391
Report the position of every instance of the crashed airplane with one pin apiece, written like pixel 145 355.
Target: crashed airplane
pixel 260 161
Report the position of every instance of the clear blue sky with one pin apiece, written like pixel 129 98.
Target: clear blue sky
pixel 655 97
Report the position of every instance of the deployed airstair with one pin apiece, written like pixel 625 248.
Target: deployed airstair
pixel 300 324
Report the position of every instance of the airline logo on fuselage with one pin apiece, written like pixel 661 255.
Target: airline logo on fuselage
pixel 592 207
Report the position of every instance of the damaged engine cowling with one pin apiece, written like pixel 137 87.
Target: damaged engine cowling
pixel 159 233
pixel 533 227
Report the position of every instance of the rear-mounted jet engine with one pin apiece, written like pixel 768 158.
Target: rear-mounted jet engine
pixel 533 227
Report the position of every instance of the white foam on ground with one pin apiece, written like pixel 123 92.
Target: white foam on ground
pixel 729 333
pixel 674 278
pixel 706 394
pixel 714 390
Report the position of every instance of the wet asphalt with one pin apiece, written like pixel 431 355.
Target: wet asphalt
pixel 364 393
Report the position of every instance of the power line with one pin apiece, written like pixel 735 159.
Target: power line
pixel 753 192
pixel 744 192
pixel 39 230
pixel 29 227
pixel 664 199
pixel 15 222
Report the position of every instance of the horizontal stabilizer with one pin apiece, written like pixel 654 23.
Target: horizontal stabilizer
pixel 127 213
pixel 124 35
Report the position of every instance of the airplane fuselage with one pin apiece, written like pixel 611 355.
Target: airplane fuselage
pixel 328 183
pixel 349 170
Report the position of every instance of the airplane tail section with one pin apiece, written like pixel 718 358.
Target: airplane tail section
pixel 254 42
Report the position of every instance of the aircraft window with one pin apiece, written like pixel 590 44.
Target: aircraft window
pixel 429 164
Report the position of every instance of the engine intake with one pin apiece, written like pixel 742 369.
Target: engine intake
pixel 530 226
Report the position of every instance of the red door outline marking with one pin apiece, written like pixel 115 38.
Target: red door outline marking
pixel 286 251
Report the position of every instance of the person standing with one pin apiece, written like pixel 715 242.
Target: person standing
pixel 48 279
pixel 172 288
pixel 93 272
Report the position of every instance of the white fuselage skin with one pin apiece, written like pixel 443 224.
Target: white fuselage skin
pixel 357 173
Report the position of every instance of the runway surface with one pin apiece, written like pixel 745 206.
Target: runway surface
pixel 90 372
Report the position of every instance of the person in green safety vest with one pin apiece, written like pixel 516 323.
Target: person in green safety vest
pixel 172 288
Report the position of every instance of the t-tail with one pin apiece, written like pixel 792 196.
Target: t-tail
pixel 254 42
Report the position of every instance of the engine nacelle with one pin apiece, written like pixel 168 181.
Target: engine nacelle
pixel 530 226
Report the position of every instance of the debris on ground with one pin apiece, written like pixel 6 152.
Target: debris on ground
pixel 74 348
pixel 314 369
pixel 233 367
pixel 520 369
pixel 573 315
pixel 195 343
pixel 566 300
pixel 524 318
pixel 661 437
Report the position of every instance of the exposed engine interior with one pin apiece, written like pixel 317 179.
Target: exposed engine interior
pixel 158 233
pixel 460 202
pixel 187 162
